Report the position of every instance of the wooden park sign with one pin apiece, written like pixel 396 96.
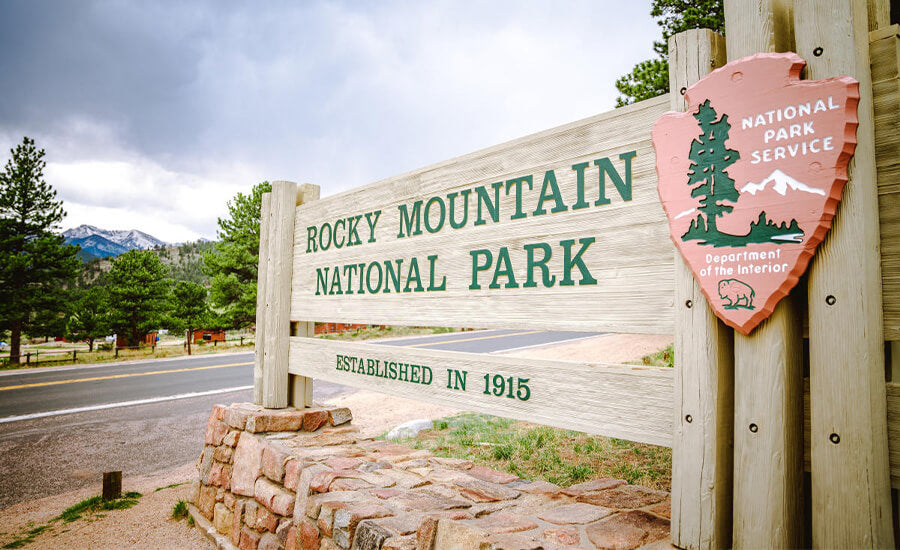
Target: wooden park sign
pixel 567 229
pixel 750 178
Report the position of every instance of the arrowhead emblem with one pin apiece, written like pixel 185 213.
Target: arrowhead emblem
pixel 750 177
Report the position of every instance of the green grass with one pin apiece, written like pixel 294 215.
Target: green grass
pixel 662 358
pixel 169 486
pixel 95 504
pixel 180 510
pixel 538 452
pixel 89 509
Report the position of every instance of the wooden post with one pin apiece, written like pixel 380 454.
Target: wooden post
pixel 276 323
pixel 851 503
pixel 112 485
pixel 259 339
pixel 768 364
pixel 702 439
pixel 301 387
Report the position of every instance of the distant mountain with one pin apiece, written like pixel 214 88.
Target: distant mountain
pixel 781 182
pixel 103 243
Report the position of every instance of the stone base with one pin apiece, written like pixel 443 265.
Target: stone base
pixel 302 479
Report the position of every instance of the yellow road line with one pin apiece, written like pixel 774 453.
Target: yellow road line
pixel 473 339
pixel 114 376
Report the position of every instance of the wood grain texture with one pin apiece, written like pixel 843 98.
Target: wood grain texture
pixel 277 295
pixel 260 336
pixel 625 401
pixel 704 385
pixel 631 258
pixel 768 364
pixel 884 52
pixel 847 387
pixel 300 389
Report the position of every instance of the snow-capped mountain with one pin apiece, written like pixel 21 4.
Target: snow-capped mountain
pixel 103 243
pixel 781 182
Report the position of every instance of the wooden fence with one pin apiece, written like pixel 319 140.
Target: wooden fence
pixel 784 438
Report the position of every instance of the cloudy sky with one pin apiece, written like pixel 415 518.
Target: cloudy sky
pixel 154 114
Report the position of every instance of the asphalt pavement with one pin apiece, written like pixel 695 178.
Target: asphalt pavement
pixel 62 427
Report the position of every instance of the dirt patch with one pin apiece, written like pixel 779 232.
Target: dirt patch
pixel 146 525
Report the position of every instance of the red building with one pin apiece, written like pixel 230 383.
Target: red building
pixel 207 335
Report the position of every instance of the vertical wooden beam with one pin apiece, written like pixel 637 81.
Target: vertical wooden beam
pixel 768 364
pixel 702 439
pixel 278 295
pixel 301 387
pixel 879 13
pixel 851 501
pixel 259 342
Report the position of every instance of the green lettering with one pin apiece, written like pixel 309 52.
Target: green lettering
pixel 431 287
pixel 372 223
pixel 410 277
pixel 504 268
pixel 353 231
pixel 579 186
pixel 493 207
pixel 570 261
pixel 518 184
pixel 349 270
pixel 407 219
pixel 335 282
pixel 311 239
pixel 321 280
pixel 336 243
pixel 476 267
pixel 443 214
pixel 392 275
pixel 623 187
pixel 374 289
pixel 547 279
pixel 550 190
pixel 452 198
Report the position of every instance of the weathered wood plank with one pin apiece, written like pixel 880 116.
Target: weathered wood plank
pixel 625 401
pixel 277 295
pixel 630 258
pixel 260 336
pixel 704 384
pixel 768 364
pixel 301 387
pixel 850 469
pixel 884 52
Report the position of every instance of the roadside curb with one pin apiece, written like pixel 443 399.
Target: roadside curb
pixel 209 530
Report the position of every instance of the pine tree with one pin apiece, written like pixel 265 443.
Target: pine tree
pixel 35 264
pixel 89 319
pixel 138 294
pixel 708 177
pixel 650 78
pixel 188 310
pixel 232 265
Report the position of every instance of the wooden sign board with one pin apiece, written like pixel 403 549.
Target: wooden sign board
pixel 751 176
pixel 557 230
pixel 626 401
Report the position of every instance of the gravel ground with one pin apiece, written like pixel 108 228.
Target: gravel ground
pixel 147 525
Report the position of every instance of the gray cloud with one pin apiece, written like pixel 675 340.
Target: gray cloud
pixel 335 93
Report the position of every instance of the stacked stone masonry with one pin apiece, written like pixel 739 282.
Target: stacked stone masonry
pixel 303 479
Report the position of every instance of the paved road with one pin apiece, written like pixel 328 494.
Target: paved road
pixel 46 455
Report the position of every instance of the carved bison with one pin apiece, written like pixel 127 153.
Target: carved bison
pixel 736 294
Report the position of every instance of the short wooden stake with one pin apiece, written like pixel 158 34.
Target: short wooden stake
pixel 112 485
